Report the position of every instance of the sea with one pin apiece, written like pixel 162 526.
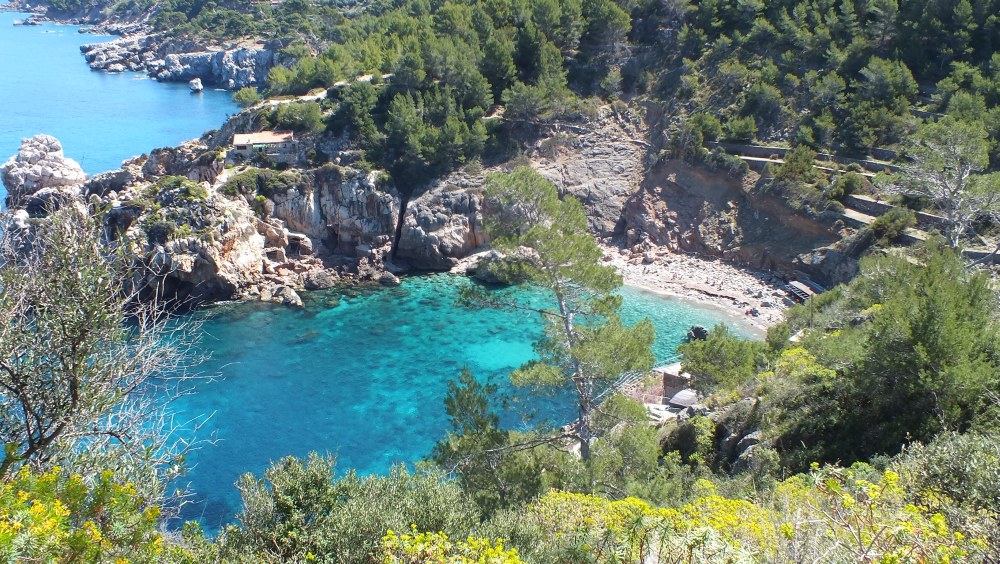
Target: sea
pixel 101 119
pixel 358 373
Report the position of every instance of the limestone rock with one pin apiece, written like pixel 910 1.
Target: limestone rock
pixel 320 279
pixel 442 225
pixel 388 279
pixel 179 60
pixel 39 164
pixel 601 165
pixel 347 210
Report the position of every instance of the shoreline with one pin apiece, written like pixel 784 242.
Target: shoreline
pixel 704 281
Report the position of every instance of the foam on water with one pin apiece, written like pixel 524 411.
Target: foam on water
pixel 364 375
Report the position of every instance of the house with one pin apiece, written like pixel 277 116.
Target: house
pixel 278 146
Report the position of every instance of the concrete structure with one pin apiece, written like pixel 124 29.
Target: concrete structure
pixel 279 146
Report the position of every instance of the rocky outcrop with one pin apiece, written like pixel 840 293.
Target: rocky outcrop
pixel 349 211
pixel 443 224
pixel 684 207
pixel 175 60
pixel 40 171
pixel 600 164
pixel 231 69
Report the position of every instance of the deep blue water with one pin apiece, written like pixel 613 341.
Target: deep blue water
pixel 101 119
pixel 364 376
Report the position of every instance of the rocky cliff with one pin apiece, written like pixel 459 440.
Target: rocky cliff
pixel 212 228
pixel 230 66
pixel 39 174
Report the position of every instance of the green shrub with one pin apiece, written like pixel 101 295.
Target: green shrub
pixel 741 130
pixel 184 189
pixel 159 231
pixel 299 116
pixel 260 181
pixel 847 184
pixel 246 97
pixel 709 125
pixel 891 225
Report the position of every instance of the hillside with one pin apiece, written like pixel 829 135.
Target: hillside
pixel 850 146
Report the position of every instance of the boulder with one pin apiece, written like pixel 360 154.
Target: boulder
pixel 320 279
pixel 39 164
pixel 286 296
pixel 388 279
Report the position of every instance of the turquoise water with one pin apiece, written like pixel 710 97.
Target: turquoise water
pixel 101 119
pixel 363 376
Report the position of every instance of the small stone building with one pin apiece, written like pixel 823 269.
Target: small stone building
pixel 279 146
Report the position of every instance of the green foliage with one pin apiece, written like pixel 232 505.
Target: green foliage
pixel 479 453
pixel 260 181
pixel 87 367
pixel 52 517
pixel 740 130
pixel 798 166
pixel 246 96
pixel 890 226
pixel 585 342
pixel 912 360
pixel 299 511
pixel 299 116
pixel 948 157
pixel 171 188
pixel 847 184
pixel 723 360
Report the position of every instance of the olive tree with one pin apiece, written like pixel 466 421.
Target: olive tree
pixel 948 157
pixel 87 370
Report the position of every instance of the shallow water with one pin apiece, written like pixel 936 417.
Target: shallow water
pixel 101 119
pixel 364 376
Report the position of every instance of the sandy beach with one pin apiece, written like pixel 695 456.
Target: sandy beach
pixel 704 280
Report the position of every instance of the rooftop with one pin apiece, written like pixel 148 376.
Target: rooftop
pixel 262 137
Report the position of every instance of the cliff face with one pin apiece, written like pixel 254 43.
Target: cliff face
pixel 308 228
pixel 443 224
pixel 230 66
pixel 348 211
pixel 686 208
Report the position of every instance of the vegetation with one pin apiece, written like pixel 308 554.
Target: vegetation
pixel 585 343
pixel 81 389
pixel 949 157
pixel 864 428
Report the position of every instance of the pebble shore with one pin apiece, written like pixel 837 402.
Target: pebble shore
pixel 705 280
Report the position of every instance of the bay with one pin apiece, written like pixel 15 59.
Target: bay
pixel 363 375
pixel 101 119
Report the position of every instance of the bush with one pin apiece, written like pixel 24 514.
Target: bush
pixel 709 125
pixel 170 188
pixel 847 184
pixel 246 97
pixel 299 511
pixel 260 181
pixel 891 225
pixel 723 360
pixel 741 130
pixel 299 116
pixel 51 517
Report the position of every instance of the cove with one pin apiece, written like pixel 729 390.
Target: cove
pixel 101 119
pixel 363 374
